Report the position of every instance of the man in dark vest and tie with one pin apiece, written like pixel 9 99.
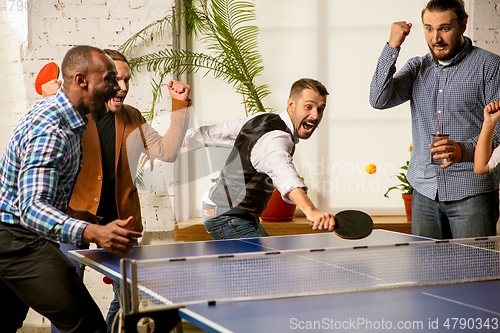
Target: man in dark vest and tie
pixel 260 161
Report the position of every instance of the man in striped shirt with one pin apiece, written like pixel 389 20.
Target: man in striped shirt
pixel 38 171
pixel 454 82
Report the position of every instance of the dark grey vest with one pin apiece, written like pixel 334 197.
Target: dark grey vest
pixel 239 187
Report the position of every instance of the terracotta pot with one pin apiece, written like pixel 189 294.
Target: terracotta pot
pixel 277 209
pixel 407 200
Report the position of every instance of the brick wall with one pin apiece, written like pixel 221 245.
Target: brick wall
pixel 487 25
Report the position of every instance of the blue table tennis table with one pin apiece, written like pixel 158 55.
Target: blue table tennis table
pixel 457 307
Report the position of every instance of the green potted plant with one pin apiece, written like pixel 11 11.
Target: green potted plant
pixel 232 48
pixel 405 187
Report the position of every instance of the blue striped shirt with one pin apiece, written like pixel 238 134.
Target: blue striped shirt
pixel 39 169
pixel 458 92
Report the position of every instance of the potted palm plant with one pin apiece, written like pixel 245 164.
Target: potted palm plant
pixel 232 53
pixel 224 26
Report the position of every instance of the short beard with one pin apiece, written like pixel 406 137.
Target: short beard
pixel 449 57
pixel 453 52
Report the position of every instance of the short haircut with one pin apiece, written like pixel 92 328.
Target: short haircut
pixel 116 56
pixel 316 86
pixel 456 6
pixel 78 59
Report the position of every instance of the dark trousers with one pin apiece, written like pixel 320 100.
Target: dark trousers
pixel 35 273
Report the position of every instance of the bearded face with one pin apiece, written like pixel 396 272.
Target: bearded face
pixel 306 112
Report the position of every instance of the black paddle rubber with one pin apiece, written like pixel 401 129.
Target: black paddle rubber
pixel 353 224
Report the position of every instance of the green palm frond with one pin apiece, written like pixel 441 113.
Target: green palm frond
pixel 156 90
pixel 238 44
pixel 170 61
pixel 223 26
pixel 148 34
pixel 139 175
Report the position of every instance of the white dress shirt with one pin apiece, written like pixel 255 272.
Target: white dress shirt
pixel 270 155
pixel 494 162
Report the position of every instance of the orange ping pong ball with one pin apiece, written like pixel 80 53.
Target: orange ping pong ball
pixel 371 169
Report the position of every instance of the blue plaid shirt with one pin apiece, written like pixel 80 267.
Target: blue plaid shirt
pixel 458 92
pixel 39 168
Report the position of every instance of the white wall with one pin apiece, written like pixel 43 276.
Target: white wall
pixel 13 39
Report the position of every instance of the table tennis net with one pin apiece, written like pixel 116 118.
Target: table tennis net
pixel 279 274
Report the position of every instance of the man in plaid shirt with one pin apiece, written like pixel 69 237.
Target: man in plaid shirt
pixel 38 171
pixel 454 82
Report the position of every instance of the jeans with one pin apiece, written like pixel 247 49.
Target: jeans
pixel 114 311
pixel 114 306
pixel 230 227
pixel 474 216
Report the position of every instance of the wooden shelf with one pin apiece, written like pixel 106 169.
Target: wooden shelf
pixel 194 230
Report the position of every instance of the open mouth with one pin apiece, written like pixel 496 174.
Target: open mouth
pixel 117 100
pixel 308 126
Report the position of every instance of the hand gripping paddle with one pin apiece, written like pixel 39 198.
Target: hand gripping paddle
pixel 49 72
pixel 352 224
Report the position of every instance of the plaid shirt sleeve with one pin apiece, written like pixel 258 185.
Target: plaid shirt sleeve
pixel 44 179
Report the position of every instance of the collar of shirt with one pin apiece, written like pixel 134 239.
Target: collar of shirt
pixel 72 116
pixel 288 121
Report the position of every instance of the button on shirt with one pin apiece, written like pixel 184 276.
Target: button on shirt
pixel 271 154
pixel 457 93
pixel 39 168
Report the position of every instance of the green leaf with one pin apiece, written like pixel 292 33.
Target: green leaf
pixel 224 26
pixel 405 185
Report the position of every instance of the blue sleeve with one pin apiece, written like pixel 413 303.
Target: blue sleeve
pixel 388 88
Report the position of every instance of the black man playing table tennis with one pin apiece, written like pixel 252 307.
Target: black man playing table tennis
pixel 38 171
pixel 261 158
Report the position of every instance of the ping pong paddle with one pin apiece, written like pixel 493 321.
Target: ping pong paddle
pixel 352 224
pixel 49 72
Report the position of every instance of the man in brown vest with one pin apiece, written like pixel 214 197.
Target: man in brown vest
pixel 105 189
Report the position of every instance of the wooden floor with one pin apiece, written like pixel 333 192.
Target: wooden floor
pixel 194 230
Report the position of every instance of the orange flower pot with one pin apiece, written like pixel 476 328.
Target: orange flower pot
pixel 277 209
pixel 407 199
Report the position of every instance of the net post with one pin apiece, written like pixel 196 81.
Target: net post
pixel 125 293
pixel 133 287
